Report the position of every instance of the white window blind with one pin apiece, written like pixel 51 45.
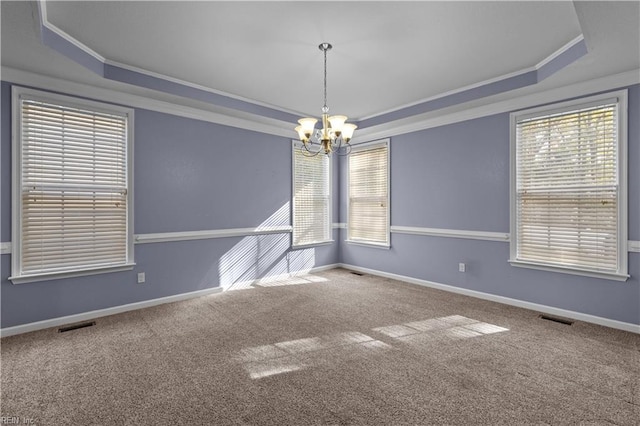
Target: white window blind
pixel 568 189
pixel 368 220
pixel 73 188
pixel 311 198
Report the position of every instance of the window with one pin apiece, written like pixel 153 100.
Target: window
pixel 368 209
pixel 569 187
pixel 311 198
pixel 71 187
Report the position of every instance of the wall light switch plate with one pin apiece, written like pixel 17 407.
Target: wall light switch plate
pixel 141 277
pixel 462 267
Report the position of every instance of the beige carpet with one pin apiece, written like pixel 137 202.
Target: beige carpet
pixel 334 348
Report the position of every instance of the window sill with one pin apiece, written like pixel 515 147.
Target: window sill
pixel 369 244
pixel 581 272
pixel 311 245
pixel 23 279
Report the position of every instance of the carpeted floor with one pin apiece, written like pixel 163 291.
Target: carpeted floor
pixel 332 348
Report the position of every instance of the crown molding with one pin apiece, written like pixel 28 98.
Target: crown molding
pixel 238 119
pixel 199 87
pixel 63 43
pixel 449 93
pixel 44 22
pixel 562 57
pixel 462 112
pixel 224 116
pixel 559 52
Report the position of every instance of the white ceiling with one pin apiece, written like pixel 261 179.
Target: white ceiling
pixel 386 55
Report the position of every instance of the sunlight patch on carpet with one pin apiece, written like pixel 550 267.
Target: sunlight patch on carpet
pixel 271 367
pixel 294 355
pixel 296 280
pixel 452 327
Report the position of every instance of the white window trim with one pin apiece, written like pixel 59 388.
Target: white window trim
pixel 365 146
pixel 622 274
pixel 296 145
pixel 17 94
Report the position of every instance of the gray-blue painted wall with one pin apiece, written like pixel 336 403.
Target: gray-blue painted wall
pixel 189 175
pixel 457 177
pixel 193 175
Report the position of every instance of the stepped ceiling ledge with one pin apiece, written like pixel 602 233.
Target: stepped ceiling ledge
pixel 390 62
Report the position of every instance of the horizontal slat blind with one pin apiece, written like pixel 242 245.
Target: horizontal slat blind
pixel 368 195
pixel 567 189
pixel 74 188
pixel 311 199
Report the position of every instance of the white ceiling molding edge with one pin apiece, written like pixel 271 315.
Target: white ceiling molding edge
pixel 234 118
pixel 42 10
pixel 222 116
pixel 42 14
pixel 558 53
pixel 536 67
pixel 197 86
pixel 462 112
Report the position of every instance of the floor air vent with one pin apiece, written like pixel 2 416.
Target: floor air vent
pixel 556 319
pixel 76 326
pixel 357 273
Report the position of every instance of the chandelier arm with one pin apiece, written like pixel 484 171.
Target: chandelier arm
pixel 308 153
pixel 348 149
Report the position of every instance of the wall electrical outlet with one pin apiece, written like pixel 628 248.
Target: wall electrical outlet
pixel 141 277
pixel 462 267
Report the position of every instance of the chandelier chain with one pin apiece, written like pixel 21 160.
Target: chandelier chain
pixel 325 78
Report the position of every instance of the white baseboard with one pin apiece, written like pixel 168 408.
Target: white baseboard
pixel 620 325
pixel 84 316
pixel 69 319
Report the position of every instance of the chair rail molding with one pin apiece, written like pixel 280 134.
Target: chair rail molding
pixel 452 233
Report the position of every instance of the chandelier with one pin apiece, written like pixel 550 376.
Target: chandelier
pixel 335 133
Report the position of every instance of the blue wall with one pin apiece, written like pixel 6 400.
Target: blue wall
pixel 457 177
pixel 189 175
pixel 192 175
